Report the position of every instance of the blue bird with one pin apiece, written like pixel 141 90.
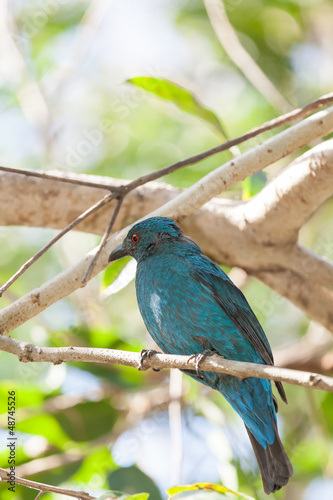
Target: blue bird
pixel 191 307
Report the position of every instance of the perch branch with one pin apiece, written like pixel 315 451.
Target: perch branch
pixel 27 352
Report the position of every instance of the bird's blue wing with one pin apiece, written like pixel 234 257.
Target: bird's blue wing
pixel 234 304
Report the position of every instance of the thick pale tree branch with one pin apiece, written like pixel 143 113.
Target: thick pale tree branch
pixel 39 202
pixel 27 352
pixel 312 352
pixel 278 212
pixel 315 300
pixel 183 205
pixel 299 189
pixel 311 266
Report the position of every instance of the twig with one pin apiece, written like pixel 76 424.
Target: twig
pixel 43 464
pixel 27 352
pixel 107 198
pixel 40 494
pixel 103 242
pixel 229 40
pixel 59 178
pixel 43 488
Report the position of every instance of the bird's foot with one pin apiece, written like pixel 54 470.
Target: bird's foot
pixel 199 358
pixel 147 353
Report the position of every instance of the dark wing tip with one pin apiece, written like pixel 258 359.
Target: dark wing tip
pixel 281 391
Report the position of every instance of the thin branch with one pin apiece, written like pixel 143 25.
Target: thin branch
pixel 27 352
pixel 229 40
pixel 107 198
pixel 40 494
pixel 61 178
pixel 81 495
pixel 102 243
pixel 39 465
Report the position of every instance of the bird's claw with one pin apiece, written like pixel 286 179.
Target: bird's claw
pixel 147 353
pixel 199 358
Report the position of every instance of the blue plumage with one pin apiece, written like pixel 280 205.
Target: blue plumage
pixel 189 305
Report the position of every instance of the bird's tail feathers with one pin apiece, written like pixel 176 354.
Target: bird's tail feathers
pixel 274 464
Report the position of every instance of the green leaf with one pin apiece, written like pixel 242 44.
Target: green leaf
pixel 252 185
pixel 181 97
pixel 206 487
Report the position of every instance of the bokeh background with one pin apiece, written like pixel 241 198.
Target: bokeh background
pixel 66 104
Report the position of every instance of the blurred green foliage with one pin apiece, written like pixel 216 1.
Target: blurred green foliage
pixel 66 103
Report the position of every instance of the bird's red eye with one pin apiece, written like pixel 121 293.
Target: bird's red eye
pixel 135 238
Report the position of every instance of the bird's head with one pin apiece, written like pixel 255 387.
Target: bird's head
pixel 146 236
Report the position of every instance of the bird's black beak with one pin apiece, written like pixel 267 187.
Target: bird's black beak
pixel 118 253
